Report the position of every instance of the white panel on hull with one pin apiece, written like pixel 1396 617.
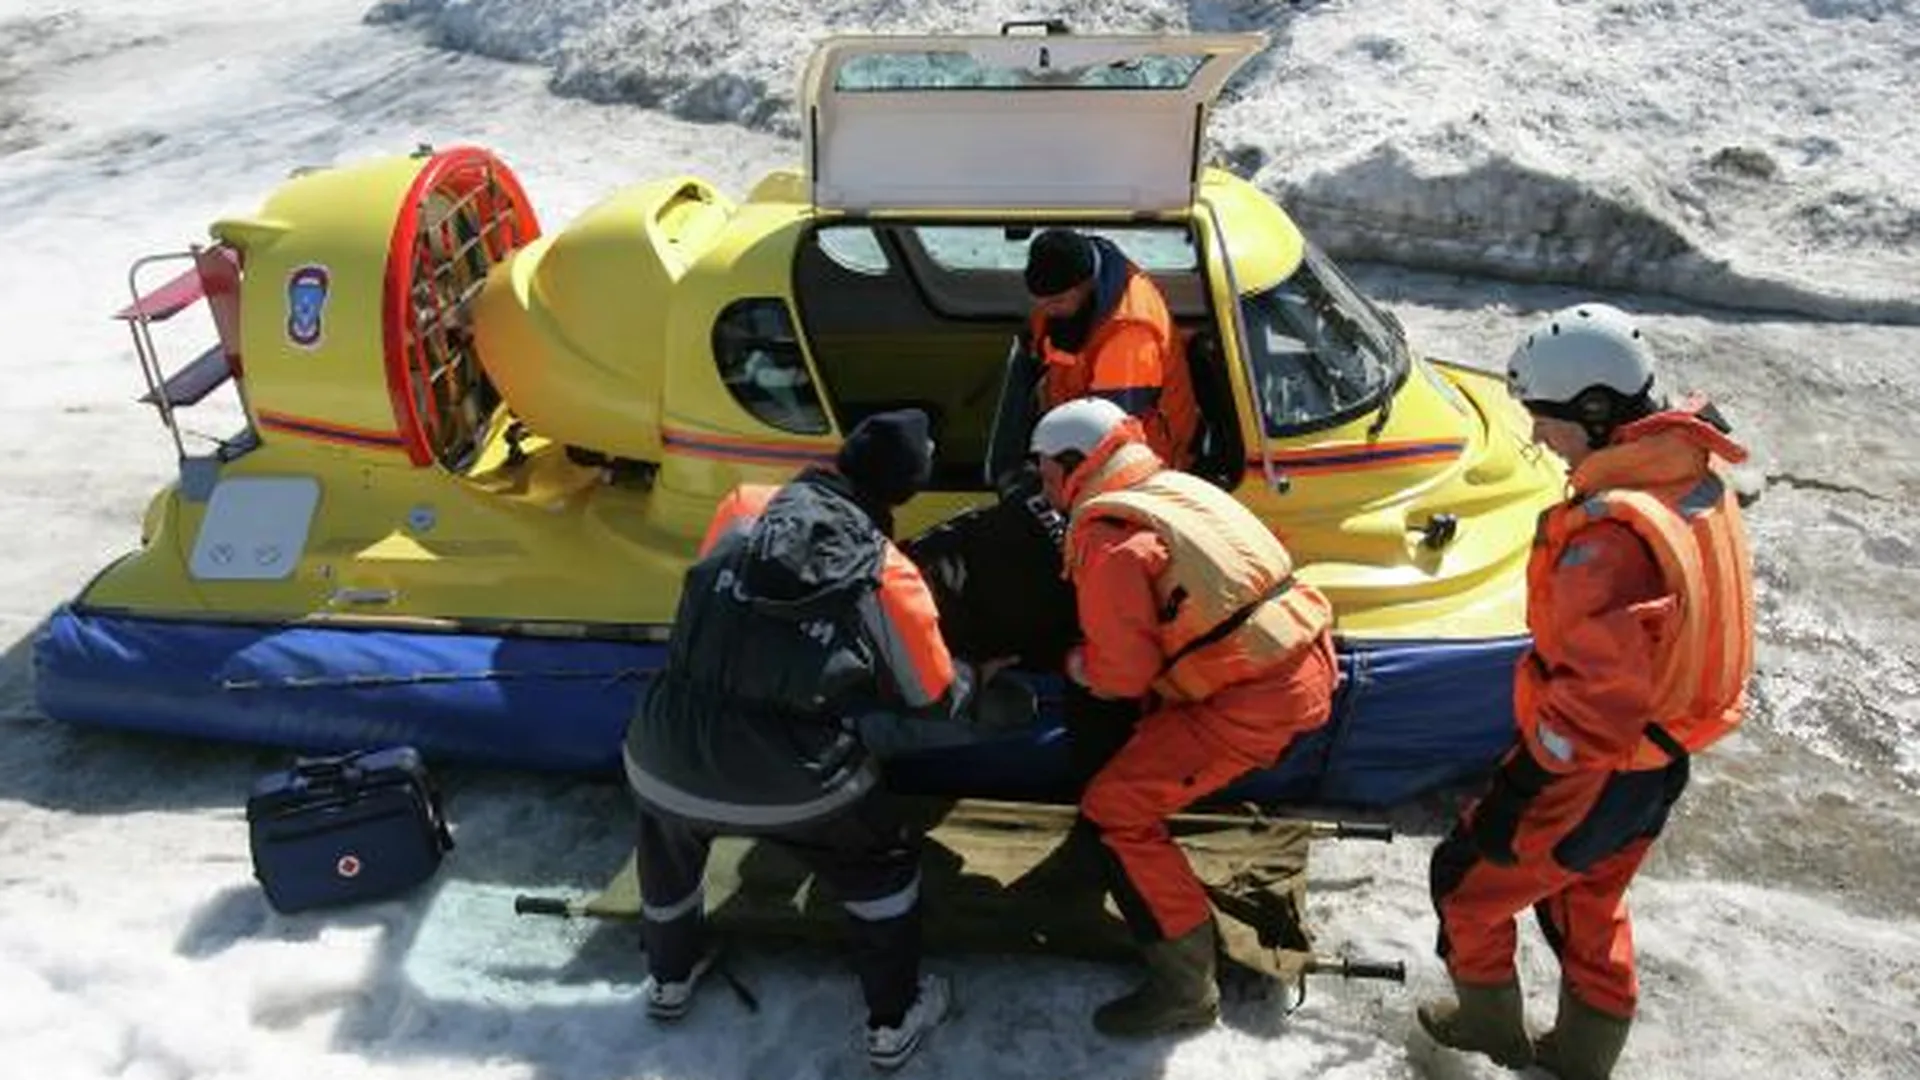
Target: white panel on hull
pixel 255 528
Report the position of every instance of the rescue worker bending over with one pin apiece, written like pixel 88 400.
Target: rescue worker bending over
pixel 1100 327
pixel 1189 601
pixel 800 624
pixel 1640 600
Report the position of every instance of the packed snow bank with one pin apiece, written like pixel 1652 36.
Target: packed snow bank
pixel 1738 154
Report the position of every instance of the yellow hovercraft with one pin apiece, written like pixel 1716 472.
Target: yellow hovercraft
pixel 477 458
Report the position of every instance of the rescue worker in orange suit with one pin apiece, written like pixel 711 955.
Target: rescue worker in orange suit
pixel 1100 327
pixel 803 638
pixel 1640 601
pixel 1187 601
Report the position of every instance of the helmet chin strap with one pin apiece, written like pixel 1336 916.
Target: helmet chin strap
pixel 1600 410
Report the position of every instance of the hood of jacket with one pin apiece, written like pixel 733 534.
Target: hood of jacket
pixel 812 547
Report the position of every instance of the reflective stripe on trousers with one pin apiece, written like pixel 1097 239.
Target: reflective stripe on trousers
pixel 891 906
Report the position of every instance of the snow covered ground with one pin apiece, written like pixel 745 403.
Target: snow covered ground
pixel 1759 157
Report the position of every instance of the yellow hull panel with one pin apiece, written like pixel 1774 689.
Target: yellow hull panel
pixel 547 541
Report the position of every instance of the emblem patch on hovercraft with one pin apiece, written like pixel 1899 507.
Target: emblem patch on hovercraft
pixel 306 304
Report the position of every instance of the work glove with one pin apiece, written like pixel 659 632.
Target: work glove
pixel 1004 703
pixel 1496 819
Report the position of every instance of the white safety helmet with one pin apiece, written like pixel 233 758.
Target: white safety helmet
pixel 1077 425
pixel 1588 364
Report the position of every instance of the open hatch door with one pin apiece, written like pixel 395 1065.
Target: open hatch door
pixel 1030 122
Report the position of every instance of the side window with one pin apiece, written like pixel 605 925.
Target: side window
pixel 759 357
pixel 853 248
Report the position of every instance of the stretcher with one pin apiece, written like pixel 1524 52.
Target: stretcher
pixel 997 880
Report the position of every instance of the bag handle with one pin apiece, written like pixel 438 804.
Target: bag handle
pixel 1049 27
pixel 337 770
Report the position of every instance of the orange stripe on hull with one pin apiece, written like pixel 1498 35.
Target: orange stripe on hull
pixel 1356 457
pixel 329 432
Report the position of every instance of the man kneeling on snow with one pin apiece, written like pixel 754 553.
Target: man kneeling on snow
pixel 804 640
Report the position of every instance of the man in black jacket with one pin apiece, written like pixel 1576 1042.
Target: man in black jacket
pixel 803 635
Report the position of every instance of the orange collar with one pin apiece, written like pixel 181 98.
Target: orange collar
pixel 1667 447
pixel 1122 460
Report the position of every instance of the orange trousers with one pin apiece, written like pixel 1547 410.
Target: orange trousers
pixel 1180 754
pixel 1580 842
pixel 1584 918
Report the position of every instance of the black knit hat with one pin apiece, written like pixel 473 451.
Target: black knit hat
pixel 1057 260
pixel 888 457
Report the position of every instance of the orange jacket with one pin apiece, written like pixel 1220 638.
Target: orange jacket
pixel 1640 600
pixel 908 634
pixel 1135 347
pixel 1222 612
pixel 738 509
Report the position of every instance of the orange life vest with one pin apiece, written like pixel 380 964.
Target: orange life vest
pixel 1660 479
pixel 1171 424
pixel 1230 607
